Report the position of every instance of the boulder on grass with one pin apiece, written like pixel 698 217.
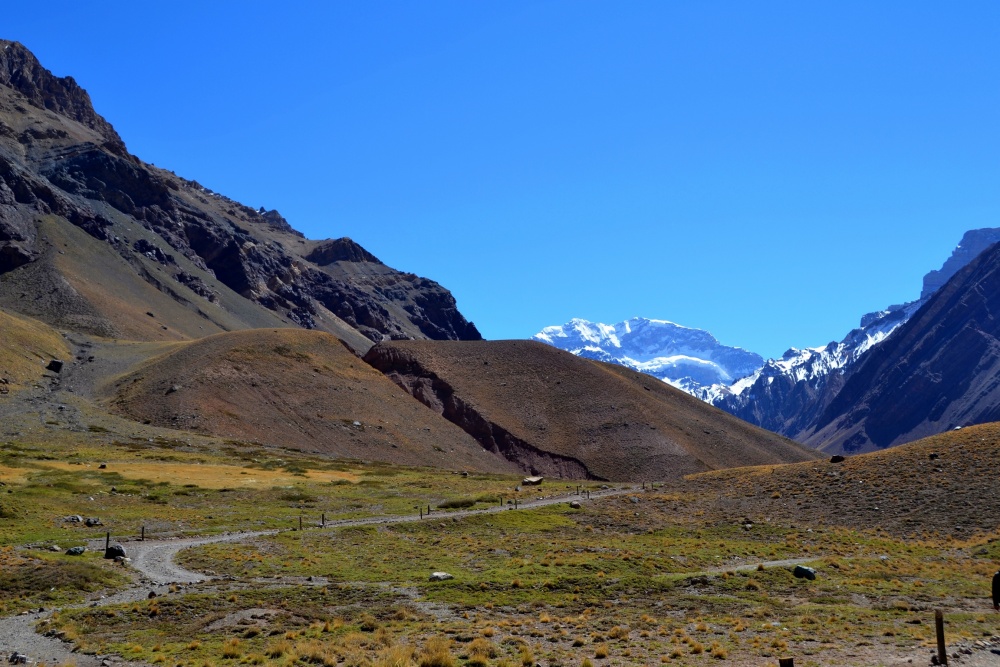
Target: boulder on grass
pixel 441 576
pixel 75 551
pixel 115 551
pixel 803 572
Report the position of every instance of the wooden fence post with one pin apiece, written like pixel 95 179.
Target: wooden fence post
pixel 786 662
pixel 142 536
pixel 107 541
pixel 942 653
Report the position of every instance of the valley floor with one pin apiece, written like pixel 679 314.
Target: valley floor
pixel 693 572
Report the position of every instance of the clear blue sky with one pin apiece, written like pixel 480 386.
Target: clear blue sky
pixel 768 171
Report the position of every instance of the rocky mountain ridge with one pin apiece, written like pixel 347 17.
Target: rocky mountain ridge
pixel 62 163
pixel 788 395
pixel 937 372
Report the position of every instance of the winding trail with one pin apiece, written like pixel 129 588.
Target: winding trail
pixel 153 563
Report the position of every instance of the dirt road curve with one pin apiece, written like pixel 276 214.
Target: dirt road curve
pixel 154 559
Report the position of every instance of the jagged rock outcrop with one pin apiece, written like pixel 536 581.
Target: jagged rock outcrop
pixel 21 71
pixel 340 250
pixel 973 243
pixel 62 163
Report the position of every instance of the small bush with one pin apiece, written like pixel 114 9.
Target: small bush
pixel 457 503
pixel 231 648
pixel 400 655
pixel 437 653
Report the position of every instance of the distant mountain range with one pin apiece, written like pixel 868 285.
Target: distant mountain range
pixel 789 395
pixel 171 308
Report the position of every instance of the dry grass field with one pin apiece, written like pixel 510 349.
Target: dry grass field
pixel 695 571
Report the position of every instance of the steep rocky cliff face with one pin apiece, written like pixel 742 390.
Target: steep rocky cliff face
pixel 790 394
pixel 63 164
pixel 939 371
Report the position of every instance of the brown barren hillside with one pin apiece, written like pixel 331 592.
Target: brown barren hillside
pixel 560 415
pixel 943 484
pixel 292 388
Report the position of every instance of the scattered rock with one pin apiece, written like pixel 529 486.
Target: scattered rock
pixel 532 481
pixel 55 547
pixel 836 458
pixel 93 521
pixel 441 576
pixel 17 658
pixel 634 500
pixel 102 466
pixel 115 551
pixel 75 551
pixel 73 518
pixel 575 504
pixel 803 572
pixel 55 365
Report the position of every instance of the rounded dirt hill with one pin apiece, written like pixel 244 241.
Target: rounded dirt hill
pixel 561 415
pixel 293 388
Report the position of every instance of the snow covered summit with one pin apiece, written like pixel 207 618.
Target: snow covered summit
pixel 689 359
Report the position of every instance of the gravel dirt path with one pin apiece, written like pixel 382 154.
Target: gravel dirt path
pixel 155 569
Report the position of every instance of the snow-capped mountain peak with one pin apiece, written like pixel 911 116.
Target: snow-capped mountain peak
pixel 687 358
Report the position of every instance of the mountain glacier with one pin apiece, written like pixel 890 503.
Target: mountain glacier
pixel 689 359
